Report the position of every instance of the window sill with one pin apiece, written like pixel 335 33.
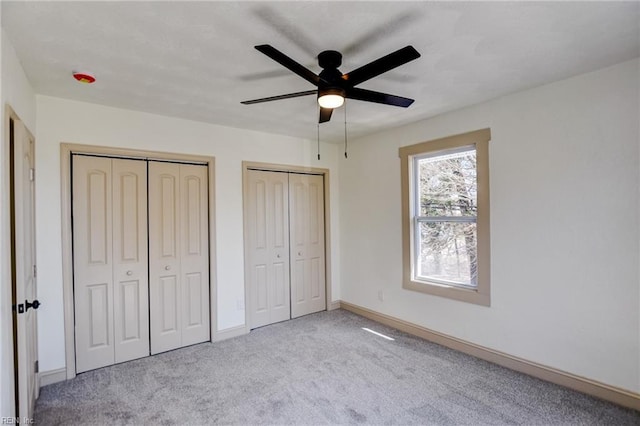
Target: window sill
pixel 474 296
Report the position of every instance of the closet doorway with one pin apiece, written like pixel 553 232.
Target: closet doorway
pixel 138 256
pixel 285 212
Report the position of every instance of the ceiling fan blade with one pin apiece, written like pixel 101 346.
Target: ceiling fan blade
pixel 276 98
pixel 381 31
pixel 280 72
pixel 325 115
pixel 381 65
pixel 289 63
pixel 287 28
pixel 378 97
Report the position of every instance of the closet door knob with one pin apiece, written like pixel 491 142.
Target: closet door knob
pixel 299 253
pixel 167 268
pixel 129 273
pixel 278 256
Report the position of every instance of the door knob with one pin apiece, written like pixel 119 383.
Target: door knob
pixel 299 253
pixel 129 273
pixel 35 304
pixel 278 256
pixel 24 308
pixel 167 268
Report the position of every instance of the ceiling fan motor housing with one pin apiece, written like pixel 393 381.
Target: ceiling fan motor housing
pixel 329 59
pixel 331 82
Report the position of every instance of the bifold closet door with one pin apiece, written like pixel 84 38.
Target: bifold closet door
pixel 110 260
pixel 267 209
pixel 178 255
pixel 306 212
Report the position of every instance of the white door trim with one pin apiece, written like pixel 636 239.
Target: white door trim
pixel 6 320
pixel 250 165
pixel 66 149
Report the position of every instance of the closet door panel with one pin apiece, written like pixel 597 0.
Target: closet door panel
pixel 307 244
pixel 194 253
pixel 280 287
pixel 164 261
pixel 268 247
pixel 278 235
pixel 93 262
pixel 130 266
pixel 298 280
pixel 259 311
pixel 178 255
pixel 168 297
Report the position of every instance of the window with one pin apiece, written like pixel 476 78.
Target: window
pixel 445 223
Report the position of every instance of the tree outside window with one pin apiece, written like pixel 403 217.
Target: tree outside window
pixel 446 211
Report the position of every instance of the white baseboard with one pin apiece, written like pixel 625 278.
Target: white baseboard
pixel 581 384
pixel 52 376
pixel 333 306
pixel 230 333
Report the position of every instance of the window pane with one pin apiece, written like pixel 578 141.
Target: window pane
pixel 447 184
pixel 447 252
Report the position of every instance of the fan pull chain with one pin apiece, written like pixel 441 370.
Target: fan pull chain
pixel 318 141
pixel 345 129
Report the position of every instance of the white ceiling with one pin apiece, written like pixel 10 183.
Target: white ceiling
pixel 196 60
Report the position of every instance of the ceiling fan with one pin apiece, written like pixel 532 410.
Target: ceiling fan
pixel 333 86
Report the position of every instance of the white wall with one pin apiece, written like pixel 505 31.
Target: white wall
pixel 16 89
pixel 76 122
pixel 16 92
pixel 564 170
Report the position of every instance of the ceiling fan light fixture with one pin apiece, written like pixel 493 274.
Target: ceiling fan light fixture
pixel 331 98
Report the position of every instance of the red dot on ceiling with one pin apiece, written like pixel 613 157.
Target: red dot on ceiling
pixel 84 77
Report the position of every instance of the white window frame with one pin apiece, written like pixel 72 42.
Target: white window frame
pixel 480 293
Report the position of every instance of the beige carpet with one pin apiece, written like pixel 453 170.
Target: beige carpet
pixel 319 369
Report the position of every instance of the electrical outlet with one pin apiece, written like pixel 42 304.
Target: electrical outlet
pixel 381 296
